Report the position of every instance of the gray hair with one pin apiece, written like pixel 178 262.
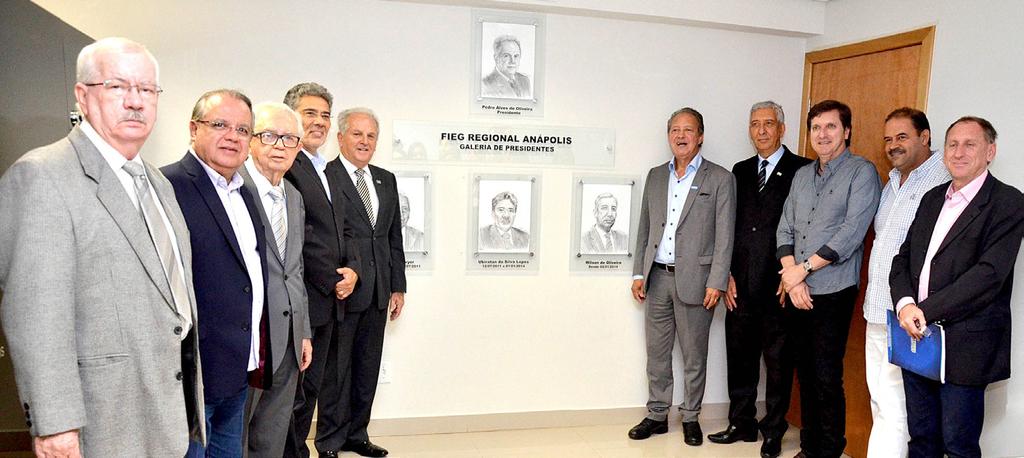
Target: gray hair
pixel 345 114
pixel 262 109
pixel 199 110
pixel 505 195
pixel 690 111
pixel 779 114
pixel 297 92
pixel 85 66
pixel 604 195
pixel 504 38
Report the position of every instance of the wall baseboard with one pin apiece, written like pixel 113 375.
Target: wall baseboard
pixel 524 420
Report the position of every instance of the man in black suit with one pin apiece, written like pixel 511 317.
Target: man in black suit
pixel 956 267
pixel 753 325
pixel 370 196
pixel 229 270
pixel 328 268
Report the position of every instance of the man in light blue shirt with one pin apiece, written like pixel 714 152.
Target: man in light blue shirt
pixel 916 169
pixel 684 248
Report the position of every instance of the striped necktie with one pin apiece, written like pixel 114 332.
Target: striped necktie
pixel 364 195
pixel 277 222
pixel 761 175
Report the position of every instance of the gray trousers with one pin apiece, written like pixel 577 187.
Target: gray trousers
pixel 668 318
pixel 268 413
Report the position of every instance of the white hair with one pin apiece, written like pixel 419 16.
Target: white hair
pixel 262 110
pixel 345 114
pixel 86 69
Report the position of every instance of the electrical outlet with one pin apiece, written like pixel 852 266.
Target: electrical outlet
pixel 385 373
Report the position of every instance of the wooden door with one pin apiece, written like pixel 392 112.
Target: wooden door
pixel 873 78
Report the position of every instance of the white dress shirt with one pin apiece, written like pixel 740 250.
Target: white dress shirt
pixel 319 164
pixel 773 161
pixel 264 187
pixel 678 189
pixel 368 178
pixel 245 235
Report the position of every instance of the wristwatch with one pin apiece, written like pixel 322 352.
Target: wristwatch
pixel 808 267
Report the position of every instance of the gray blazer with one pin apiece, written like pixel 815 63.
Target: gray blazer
pixel 704 231
pixel 87 310
pixel 286 294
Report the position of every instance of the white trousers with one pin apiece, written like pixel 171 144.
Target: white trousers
pixel 889 434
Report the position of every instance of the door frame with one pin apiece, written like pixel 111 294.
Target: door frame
pixel 925 37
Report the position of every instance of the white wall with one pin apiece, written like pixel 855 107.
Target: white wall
pixel 470 343
pixel 975 70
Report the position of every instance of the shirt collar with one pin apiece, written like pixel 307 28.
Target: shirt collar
pixel 691 167
pixel 111 155
pixel 774 158
pixel 263 185
pixel 350 167
pixel 970 190
pixel 317 160
pixel 218 179
pixel 933 161
pixel 835 162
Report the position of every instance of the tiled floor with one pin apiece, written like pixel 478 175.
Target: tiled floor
pixel 583 442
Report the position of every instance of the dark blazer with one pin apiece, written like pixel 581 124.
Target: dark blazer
pixel 324 250
pixel 221 281
pixel 754 265
pixel 379 248
pixel 971 278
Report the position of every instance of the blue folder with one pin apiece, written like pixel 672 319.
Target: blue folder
pixel 925 357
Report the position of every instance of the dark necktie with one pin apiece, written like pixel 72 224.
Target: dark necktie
pixel 761 175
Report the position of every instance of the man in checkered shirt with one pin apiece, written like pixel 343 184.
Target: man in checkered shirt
pixel 915 170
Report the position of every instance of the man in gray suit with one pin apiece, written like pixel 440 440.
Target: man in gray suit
pixel 274 145
pixel 601 238
pixel 685 234
pixel 95 265
pixel 506 81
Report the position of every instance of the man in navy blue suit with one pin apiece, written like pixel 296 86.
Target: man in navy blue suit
pixel 229 264
pixel 956 267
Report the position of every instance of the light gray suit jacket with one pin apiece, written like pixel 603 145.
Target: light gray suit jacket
pixel 286 293
pixel 87 310
pixel 704 233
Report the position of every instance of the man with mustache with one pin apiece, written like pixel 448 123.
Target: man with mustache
pixel 412 238
pixel 754 324
pixel 501 235
pixel 820 247
pixel 684 248
pixel 96 273
pixel 601 238
pixel 506 81
pixel 230 271
pixel 956 267
pixel 915 170
pixel 327 265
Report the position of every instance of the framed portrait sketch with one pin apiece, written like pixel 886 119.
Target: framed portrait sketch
pixel 508 73
pixel 504 216
pixel 605 209
pixel 413 202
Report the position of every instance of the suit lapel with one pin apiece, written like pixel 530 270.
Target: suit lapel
pixel 296 224
pixel 268 228
pixel 694 190
pixel 306 167
pixel 205 187
pixel 659 197
pixel 348 188
pixel 112 195
pixel 970 213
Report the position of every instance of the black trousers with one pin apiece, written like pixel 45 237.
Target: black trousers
pixel 755 328
pixel 817 342
pixel 326 346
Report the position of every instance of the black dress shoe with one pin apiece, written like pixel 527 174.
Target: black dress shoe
pixel 692 435
pixel 646 427
pixel 328 454
pixel 771 447
pixel 732 434
pixel 364 448
pixel 801 454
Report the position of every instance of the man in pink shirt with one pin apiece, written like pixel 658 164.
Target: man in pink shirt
pixel 956 267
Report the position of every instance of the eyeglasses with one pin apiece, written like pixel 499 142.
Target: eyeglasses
pixel 270 138
pixel 120 88
pixel 221 126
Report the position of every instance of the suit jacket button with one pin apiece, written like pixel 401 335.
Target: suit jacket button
pixel 753 230
pixel 247 289
pixel 177 330
pixel 372 263
pixel 28 423
pixel 286 277
pixel 178 376
pixel 286 313
pixel 25 405
pixel 245 328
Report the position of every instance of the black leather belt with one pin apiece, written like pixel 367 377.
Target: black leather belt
pixel 665 267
